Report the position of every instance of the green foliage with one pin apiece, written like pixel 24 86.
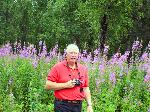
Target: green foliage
pixel 65 21
pixel 130 93
pixel 22 87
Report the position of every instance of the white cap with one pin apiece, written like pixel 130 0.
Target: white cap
pixel 72 48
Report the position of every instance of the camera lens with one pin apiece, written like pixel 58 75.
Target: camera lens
pixel 77 81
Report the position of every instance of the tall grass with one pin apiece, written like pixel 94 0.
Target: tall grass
pixel 115 85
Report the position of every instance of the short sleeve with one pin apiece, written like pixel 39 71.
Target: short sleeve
pixel 53 75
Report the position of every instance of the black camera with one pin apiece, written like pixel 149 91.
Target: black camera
pixel 77 82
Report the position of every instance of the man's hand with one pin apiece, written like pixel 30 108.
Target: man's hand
pixel 70 84
pixel 89 108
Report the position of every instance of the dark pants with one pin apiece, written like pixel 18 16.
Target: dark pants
pixel 60 106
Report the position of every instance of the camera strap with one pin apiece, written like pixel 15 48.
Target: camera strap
pixel 72 72
pixel 70 75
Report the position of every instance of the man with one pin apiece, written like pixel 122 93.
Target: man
pixel 69 80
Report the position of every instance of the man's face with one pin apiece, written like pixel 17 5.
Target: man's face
pixel 72 56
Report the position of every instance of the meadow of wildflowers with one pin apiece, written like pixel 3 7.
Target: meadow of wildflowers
pixel 116 85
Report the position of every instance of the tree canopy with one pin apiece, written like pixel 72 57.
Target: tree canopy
pixel 88 23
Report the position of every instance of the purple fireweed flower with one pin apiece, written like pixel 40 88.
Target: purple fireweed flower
pixel 127 53
pixel 84 52
pixel 106 49
pixel 147 78
pixel 18 47
pixel 125 56
pixel 95 60
pixel 34 51
pixel 44 47
pixel 96 52
pixel 24 53
pixel 35 63
pixel 112 78
pixel 53 51
pixel 5 50
pixel 144 56
pixel 101 68
pixel 114 59
pixel 117 55
pixel 89 57
pixel 136 45
pixel 43 53
pixel 120 63
pixel 83 58
pixel 145 66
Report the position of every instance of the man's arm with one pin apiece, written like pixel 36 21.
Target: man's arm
pixel 58 86
pixel 87 96
pixel 88 99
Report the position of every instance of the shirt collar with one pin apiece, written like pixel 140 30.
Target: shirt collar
pixel 66 64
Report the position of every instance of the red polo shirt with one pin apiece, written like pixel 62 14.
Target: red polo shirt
pixel 61 73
